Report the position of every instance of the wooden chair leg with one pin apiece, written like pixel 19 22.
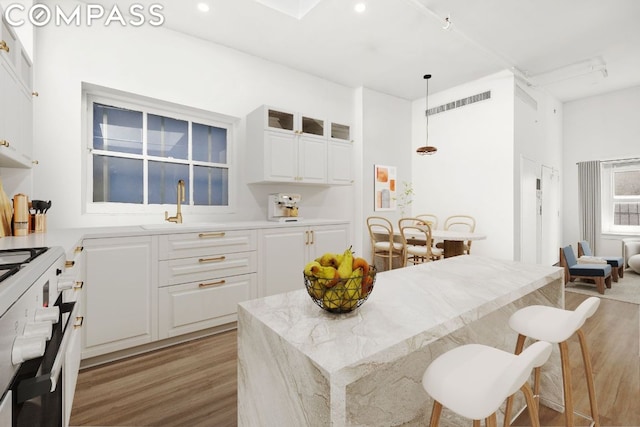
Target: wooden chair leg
pixel 491 421
pixel 476 423
pixel 600 284
pixel 614 274
pixel 588 372
pixel 566 381
pixel 620 271
pixel 435 414
pixel 531 404
pixel 509 405
pixel 607 281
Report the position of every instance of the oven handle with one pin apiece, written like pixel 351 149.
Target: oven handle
pixel 62 351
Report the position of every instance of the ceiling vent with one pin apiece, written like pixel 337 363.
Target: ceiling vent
pixel 459 103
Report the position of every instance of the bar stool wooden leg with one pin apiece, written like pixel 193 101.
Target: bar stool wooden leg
pixel 566 380
pixel 588 371
pixel 531 404
pixel 509 405
pixel 476 423
pixel 435 414
pixel 491 421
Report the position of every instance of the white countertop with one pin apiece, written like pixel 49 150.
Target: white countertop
pixel 407 307
pixel 71 237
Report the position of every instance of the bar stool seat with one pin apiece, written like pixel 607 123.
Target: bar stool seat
pixel 556 326
pixel 473 380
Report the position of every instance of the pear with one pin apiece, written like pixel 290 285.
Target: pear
pixel 346 266
pixel 332 298
pixel 328 260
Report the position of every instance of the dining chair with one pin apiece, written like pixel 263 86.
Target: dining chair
pixel 382 242
pixel 460 222
pixel 430 219
pixel 417 242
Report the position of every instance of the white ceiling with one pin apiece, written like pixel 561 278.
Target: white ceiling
pixel 390 46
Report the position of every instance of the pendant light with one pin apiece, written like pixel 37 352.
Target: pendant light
pixel 427 149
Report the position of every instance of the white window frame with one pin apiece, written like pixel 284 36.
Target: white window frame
pixel 92 93
pixel 608 198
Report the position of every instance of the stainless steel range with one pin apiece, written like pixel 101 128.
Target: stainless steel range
pixel 36 329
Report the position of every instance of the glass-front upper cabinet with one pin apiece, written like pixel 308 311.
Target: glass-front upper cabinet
pixel 342 132
pixel 282 120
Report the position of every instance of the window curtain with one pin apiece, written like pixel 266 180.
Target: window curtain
pixel 589 202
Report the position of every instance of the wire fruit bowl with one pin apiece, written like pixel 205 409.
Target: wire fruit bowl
pixel 340 295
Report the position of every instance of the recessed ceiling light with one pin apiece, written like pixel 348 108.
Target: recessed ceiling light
pixel 360 7
pixel 203 7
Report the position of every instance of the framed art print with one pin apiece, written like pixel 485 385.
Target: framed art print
pixel 384 188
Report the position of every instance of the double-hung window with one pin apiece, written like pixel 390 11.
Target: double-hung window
pixel 138 150
pixel 621 197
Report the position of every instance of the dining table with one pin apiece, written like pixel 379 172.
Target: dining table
pixel 453 240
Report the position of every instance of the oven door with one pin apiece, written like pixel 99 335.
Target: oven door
pixel 37 386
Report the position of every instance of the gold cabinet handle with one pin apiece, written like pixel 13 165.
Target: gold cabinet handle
pixel 35 93
pixel 35 162
pixel 69 264
pixel 210 235
pixel 78 286
pixel 79 322
pixel 78 249
pixel 4 143
pixel 212 284
pixel 217 259
pixel 312 238
pixel 3 46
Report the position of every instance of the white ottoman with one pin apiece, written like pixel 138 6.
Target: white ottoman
pixel 634 263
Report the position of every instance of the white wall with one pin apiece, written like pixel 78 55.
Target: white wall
pixel 472 172
pixel 386 135
pixel 170 66
pixel 602 127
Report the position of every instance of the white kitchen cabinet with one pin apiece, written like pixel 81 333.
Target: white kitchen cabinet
pixel 203 277
pixel 120 294
pixel 285 251
pixel 286 146
pixel 340 155
pixel 16 102
pixel 73 280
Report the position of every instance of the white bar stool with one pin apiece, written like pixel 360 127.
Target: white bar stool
pixel 473 380
pixel 556 326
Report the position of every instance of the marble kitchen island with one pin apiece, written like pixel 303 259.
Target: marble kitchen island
pixel 299 365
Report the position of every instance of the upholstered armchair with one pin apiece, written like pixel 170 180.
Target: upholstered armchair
pixel 630 247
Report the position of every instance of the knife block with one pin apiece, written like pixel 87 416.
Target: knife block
pixel 38 223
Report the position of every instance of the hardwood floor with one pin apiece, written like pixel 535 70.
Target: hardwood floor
pixel 194 384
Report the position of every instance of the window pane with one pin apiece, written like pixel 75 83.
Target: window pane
pixel 209 143
pixel 163 182
pixel 167 137
pixel 627 183
pixel 626 214
pixel 117 180
pixel 117 129
pixel 210 186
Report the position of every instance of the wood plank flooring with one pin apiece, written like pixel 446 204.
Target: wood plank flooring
pixel 195 384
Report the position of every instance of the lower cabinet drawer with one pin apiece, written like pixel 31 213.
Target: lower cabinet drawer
pixel 194 306
pixel 176 271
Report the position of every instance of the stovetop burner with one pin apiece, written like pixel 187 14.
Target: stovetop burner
pixel 11 260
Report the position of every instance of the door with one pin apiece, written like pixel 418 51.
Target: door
pixel 550 233
pixel 529 211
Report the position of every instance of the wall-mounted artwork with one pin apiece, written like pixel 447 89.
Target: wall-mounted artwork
pixel 384 188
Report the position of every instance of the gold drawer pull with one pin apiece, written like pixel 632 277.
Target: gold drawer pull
pixel 78 319
pixel 217 259
pixel 3 46
pixel 69 264
pixel 78 249
pixel 4 143
pixel 210 235
pixel 78 286
pixel 212 284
